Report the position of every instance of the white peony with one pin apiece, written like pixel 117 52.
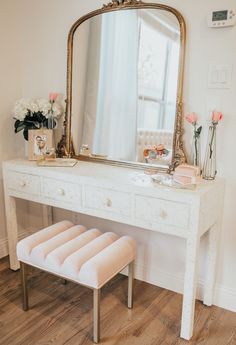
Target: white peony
pixel 33 107
pixel 44 106
pixel 21 109
pixel 26 106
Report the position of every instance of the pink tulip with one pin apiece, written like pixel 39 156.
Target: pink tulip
pixel 53 96
pixel 216 117
pixel 192 118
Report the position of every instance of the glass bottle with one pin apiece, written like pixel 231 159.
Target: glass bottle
pixel 50 120
pixel 52 124
pixel 209 168
pixel 195 156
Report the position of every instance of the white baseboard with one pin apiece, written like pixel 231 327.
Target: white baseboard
pixel 159 278
pixel 224 297
pixel 4 242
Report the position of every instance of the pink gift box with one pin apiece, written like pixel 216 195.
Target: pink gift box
pixel 187 174
pixel 187 170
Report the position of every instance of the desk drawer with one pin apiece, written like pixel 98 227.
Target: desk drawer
pixel 61 190
pixel 24 183
pixel 162 211
pixel 108 200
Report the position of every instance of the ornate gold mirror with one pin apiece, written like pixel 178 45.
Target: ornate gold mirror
pixel 124 85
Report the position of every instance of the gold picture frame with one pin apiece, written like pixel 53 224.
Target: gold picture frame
pixel 40 142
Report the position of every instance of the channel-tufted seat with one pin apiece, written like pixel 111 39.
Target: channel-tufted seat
pixel 86 257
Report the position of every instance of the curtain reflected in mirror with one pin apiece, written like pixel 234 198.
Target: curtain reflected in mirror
pixel 124 87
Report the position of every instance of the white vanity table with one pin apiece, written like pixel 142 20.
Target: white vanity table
pixel 126 196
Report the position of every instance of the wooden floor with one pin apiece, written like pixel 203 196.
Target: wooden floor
pixel 62 314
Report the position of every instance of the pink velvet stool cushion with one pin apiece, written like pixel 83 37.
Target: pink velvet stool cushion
pixel 70 251
pixel 25 247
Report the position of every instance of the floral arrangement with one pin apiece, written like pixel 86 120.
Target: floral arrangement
pixel 192 118
pixel 36 113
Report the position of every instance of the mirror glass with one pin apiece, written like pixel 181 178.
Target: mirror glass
pixel 124 86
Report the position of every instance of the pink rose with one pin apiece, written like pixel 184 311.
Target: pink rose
pixel 216 117
pixel 192 118
pixel 53 96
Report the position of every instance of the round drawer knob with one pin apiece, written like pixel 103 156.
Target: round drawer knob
pixel 109 203
pixel 22 183
pixel 61 191
pixel 163 215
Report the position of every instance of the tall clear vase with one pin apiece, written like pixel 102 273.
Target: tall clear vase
pixel 195 155
pixel 50 120
pixel 51 125
pixel 209 168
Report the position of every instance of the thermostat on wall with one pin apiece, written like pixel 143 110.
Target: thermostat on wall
pixel 221 18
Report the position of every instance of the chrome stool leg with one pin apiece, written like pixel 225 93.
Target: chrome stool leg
pixel 130 284
pixel 96 315
pixel 23 269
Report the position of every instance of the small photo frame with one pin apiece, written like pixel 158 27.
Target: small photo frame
pixel 40 142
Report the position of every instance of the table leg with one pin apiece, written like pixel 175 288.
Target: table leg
pixel 12 231
pixel 190 285
pixel 47 216
pixel 211 265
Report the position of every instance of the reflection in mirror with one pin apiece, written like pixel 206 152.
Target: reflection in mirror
pixel 124 86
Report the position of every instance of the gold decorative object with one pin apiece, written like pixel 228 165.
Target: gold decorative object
pixel 179 155
pixel 116 3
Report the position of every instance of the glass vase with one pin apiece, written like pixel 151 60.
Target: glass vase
pixel 195 155
pixel 52 124
pixel 209 169
pixel 50 120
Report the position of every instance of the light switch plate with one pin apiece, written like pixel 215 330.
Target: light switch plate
pixel 220 76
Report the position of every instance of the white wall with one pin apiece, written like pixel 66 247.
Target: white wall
pixel 10 89
pixel 45 25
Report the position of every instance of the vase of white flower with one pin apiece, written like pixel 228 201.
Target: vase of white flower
pixel 36 113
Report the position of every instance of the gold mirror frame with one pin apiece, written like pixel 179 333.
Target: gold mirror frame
pixel 65 147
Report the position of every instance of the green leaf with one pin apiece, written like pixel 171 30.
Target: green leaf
pixel 32 124
pixel 198 132
pixel 19 127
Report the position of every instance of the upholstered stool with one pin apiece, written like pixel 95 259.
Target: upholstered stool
pixel 86 257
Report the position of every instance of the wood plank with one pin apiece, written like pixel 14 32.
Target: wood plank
pixel 62 314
